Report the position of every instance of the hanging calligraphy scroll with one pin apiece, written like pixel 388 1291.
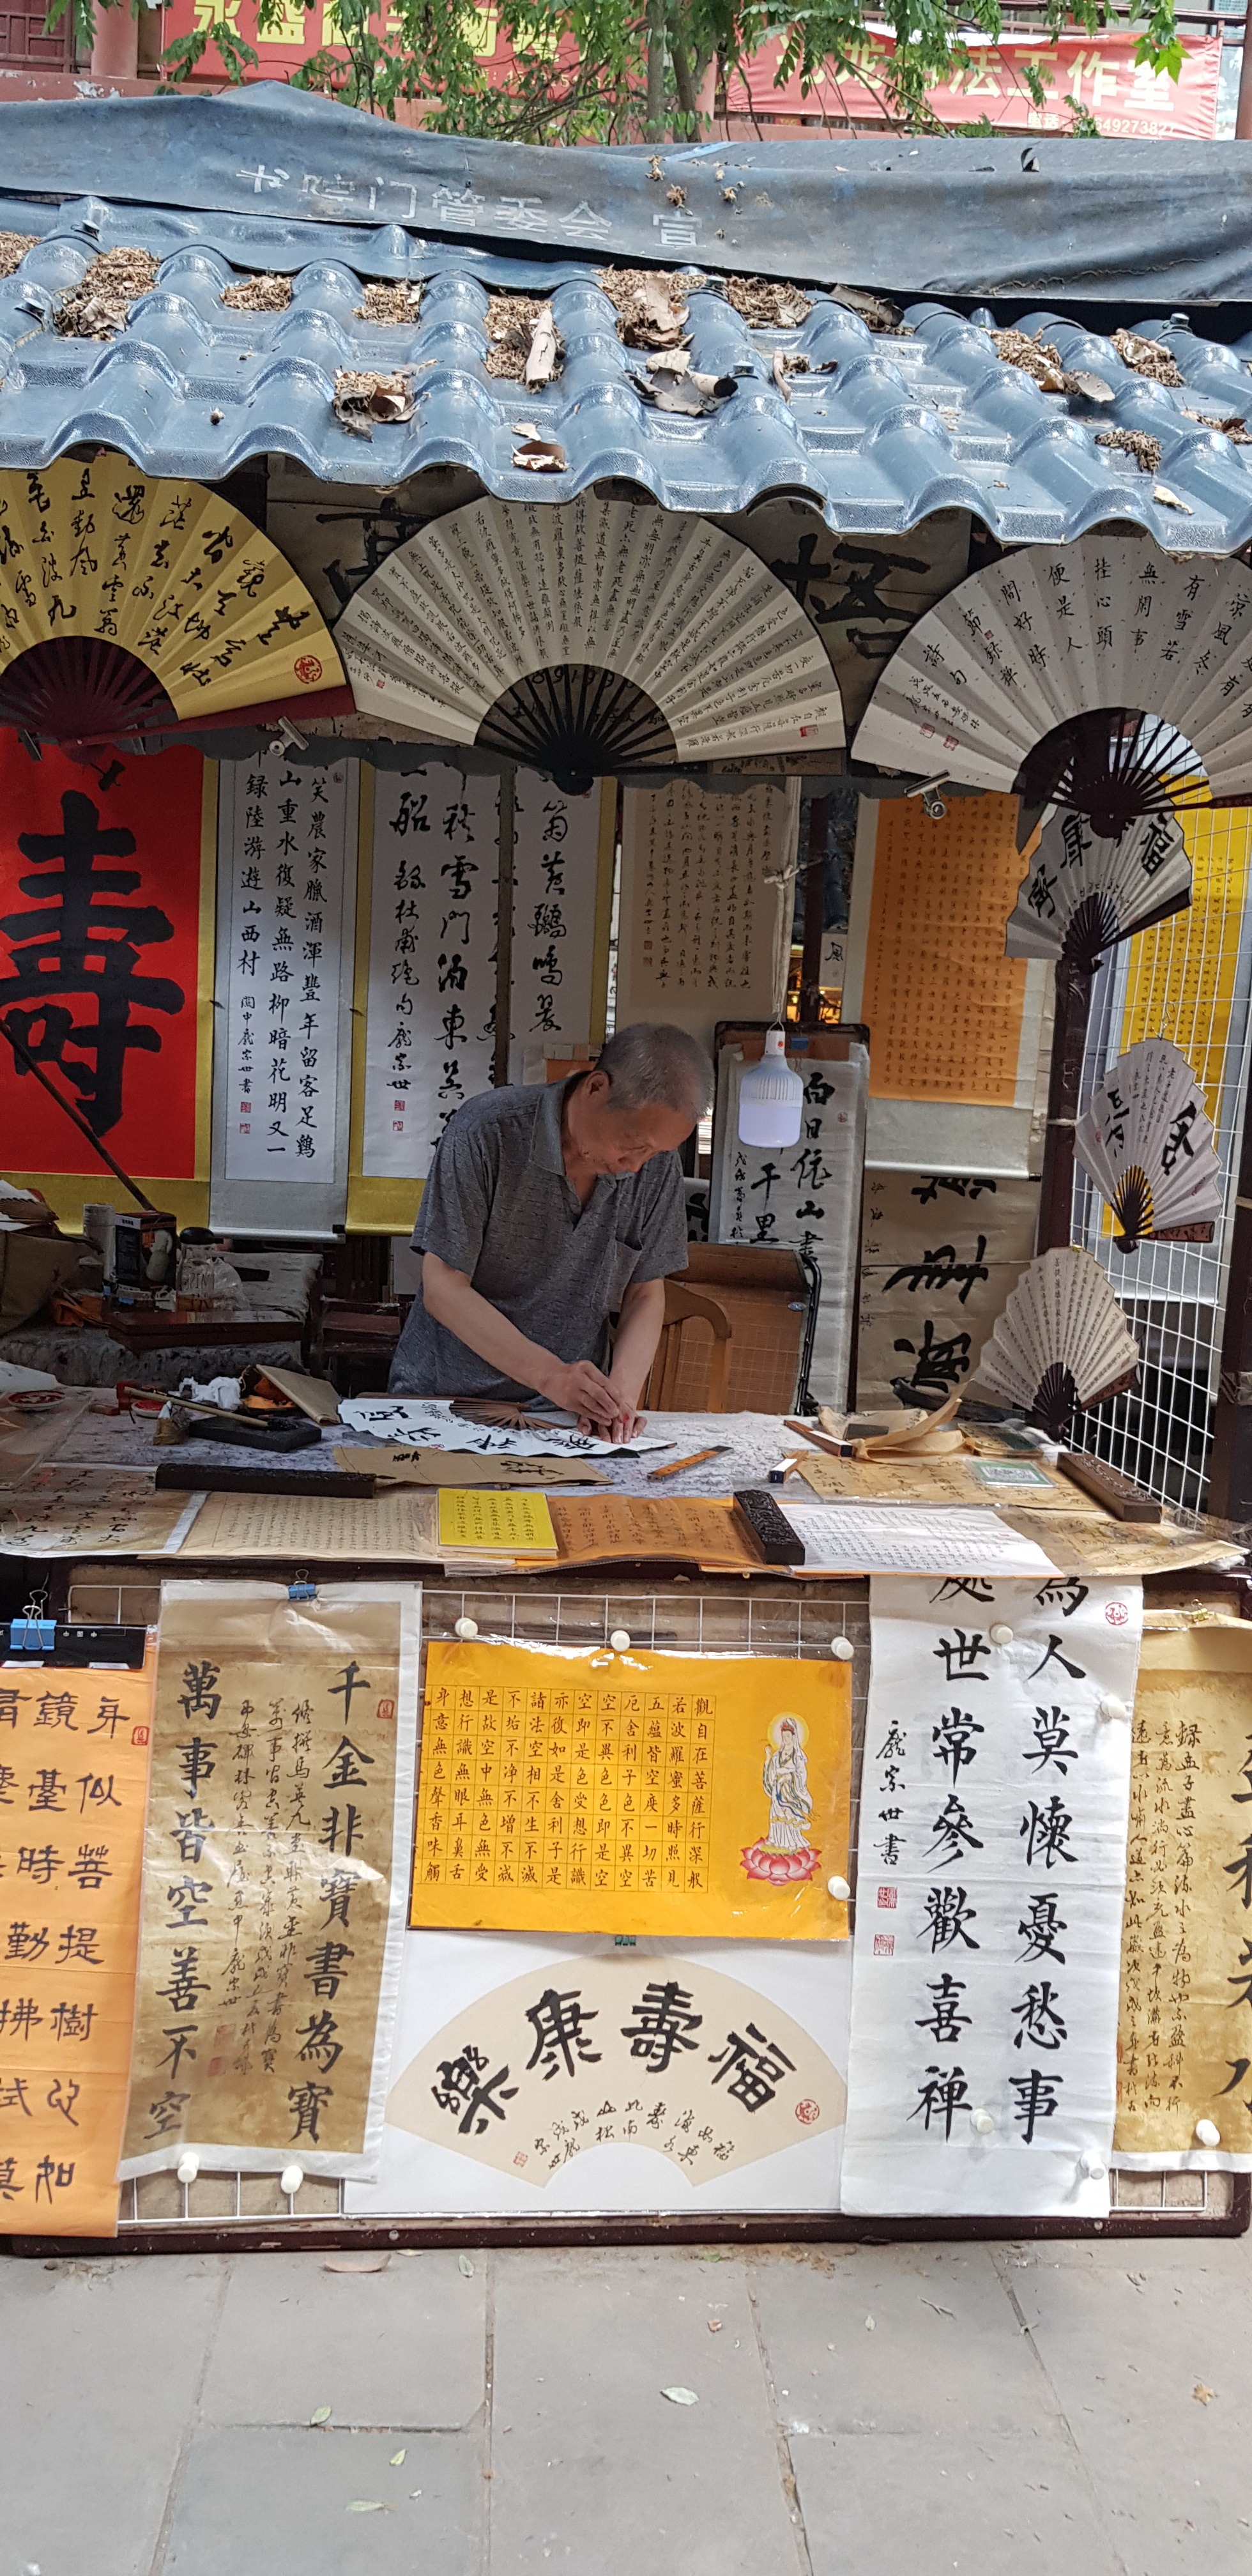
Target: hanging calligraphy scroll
pixel 279 1835
pixel 286 896
pixel 958 1053
pixel 426 979
pixel 567 1792
pixel 562 900
pixel 991 1869
pixel 1184 2033
pixel 73 1790
pixel 804 1197
pixel 941 1253
pixel 106 972
pixel 707 889
pixel 715 2077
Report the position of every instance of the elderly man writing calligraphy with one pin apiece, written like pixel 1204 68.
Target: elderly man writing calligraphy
pixel 550 1219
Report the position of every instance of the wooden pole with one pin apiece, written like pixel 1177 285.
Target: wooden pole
pixel 814 909
pixel 1069 1039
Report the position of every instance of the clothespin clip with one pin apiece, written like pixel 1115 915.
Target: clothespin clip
pixel 300 1589
pixel 33 1633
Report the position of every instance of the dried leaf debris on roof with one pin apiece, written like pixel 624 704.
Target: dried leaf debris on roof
pixel 99 304
pixel 1147 358
pixel 392 306
pixel 766 306
pixel 364 396
pixel 267 294
pixel 650 303
pixel 524 345
pixel 1138 443
pixel 13 249
pixel 1040 359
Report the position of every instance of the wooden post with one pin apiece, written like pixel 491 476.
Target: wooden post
pixel 504 932
pixel 1230 1470
pixel 1069 1039
pixel 1243 104
pixel 814 908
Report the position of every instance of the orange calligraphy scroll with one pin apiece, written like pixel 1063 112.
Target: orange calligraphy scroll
pixel 73 1795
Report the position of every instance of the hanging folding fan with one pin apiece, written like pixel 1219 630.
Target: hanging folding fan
pixel 128 602
pixel 1072 648
pixel 1082 894
pixel 1147 1142
pixel 588 636
pixel 1061 1341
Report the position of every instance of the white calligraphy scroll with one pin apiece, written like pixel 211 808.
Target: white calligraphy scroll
pixel 804 1197
pixel 557 886
pixel 991 1874
pixel 708 885
pixel 547 2075
pixel 431 992
pixel 283 986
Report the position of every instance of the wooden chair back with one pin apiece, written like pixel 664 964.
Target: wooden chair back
pixel 690 1306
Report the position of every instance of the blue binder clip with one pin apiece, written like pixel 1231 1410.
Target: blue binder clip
pixel 300 1589
pixel 32 1633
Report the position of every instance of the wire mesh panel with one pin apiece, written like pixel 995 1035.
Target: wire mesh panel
pixel 1187 980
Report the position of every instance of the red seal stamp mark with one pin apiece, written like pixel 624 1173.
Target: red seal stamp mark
pixel 386 1712
pixel 307 669
pixel 1116 1613
pixel 139 1734
pixel 887 1899
pixel 807 2112
pixel 884 1945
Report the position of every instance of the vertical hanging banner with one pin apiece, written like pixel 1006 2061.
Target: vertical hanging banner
pixel 941 1253
pixel 562 892
pixel 73 1790
pixel 286 898
pixel 278 1848
pixel 430 1001
pixel 106 950
pixel 708 884
pixel 991 1872
pixel 1184 2037
pixel 804 1197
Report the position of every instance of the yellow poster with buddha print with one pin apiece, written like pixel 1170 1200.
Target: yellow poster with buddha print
pixel 582 1790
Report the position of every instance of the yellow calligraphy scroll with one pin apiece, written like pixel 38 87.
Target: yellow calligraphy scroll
pixel 633 1793
pixel 73 1793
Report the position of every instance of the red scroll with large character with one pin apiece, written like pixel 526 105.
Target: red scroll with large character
pixel 106 971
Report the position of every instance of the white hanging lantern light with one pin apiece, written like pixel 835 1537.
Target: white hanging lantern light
pixel 771 1097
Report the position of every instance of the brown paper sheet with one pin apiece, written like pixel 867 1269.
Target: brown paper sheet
pixel 1080 1545
pixel 388 1529
pixel 73 1511
pixel 595 1528
pixel 282 1762
pixel 943 1480
pixel 1185 2022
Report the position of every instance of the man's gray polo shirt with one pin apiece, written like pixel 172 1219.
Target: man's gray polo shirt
pixel 498 1205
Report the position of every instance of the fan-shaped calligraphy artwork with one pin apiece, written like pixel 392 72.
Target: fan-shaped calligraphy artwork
pixel 1082 893
pixel 588 635
pixel 1104 630
pixel 1147 1143
pixel 129 602
pixel 1061 1341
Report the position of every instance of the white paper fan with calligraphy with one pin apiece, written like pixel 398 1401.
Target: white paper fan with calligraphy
pixel 128 603
pixel 1147 1143
pixel 587 636
pixel 1062 650
pixel 1061 1341
pixel 1082 894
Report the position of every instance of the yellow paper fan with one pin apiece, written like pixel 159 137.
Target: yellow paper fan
pixel 123 598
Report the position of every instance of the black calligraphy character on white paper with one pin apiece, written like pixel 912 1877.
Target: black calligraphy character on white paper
pixel 953 1739
pixel 1047 1831
pixel 947 1912
pixel 1039 1927
pixel 755 2065
pixel 663 2021
pixel 945 2021
pixel 944 2093
pixel 559 2023
pixel 463 2090
pixel 1041 2022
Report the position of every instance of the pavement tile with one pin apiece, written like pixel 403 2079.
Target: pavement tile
pixel 98 2369
pixel 596 2471
pixel 986 2506
pixel 402 2347
pixel 260 2501
pixel 945 2350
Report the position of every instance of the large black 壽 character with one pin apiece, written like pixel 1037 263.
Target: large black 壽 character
pixel 84 944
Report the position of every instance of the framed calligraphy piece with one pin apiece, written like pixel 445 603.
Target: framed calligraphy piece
pixel 106 971
pixel 555 2075
pixel 991 1871
pixel 707 885
pixel 279 1834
